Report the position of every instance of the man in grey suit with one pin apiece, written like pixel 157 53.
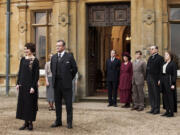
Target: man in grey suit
pixel 139 72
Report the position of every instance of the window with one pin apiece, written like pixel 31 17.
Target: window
pixel 174 17
pixel 42 35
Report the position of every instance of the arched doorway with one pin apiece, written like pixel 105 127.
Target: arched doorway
pixel 108 26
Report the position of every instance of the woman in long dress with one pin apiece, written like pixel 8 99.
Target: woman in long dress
pixel 168 85
pixel 49 86
pixel 125 81
pixel 27 85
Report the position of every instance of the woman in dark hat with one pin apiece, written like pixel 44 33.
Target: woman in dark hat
pixel 125 80
pixel 27 85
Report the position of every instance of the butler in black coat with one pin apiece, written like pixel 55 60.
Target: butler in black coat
pixel 153 73
pixel 64 69
pixel 168 85
pixel 113 70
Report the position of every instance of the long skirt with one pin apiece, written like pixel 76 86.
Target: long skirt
pixel 125 95
pixel 50 91
pixel 27 104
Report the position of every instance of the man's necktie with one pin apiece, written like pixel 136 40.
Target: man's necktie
pixel 59 56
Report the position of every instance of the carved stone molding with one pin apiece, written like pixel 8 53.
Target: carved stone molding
pixel 63 19
pixel 22 6
pixel 22 27
pixel 149 17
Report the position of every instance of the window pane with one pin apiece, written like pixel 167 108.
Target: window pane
pixel 40 18
pixel 175 14
pixel 41 45
pixel 175 40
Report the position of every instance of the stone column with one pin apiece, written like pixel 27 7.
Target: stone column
pixel 159 25
pixel 165 25
pixel 148 24
pixel 137 27
pixel 22 26
pixel 63 21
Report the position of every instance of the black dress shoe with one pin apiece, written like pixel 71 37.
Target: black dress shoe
pixel 150 111
pixel 165 114
pixel 56 125
pixel 115 105
pixel 156 112
pixel 24 126
pixel 69 126
pixel 127 105
pixel 140 109
pixel 30 127
pixel 110 105
pixel 170 115
pixel 134 108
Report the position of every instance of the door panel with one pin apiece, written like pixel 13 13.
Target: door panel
pixel 109 15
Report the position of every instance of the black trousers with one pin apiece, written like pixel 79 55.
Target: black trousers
pixel 112 92
pixel 154 93
pixel 66 93
pixel 168 93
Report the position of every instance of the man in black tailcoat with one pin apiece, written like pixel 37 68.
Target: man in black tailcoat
pixel 153 73
pixel 64 69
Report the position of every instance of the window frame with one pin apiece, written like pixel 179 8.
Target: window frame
pixel 47 25
pixel 172 22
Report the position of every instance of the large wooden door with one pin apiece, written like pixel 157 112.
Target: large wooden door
pixel 102 15
pixel 109 14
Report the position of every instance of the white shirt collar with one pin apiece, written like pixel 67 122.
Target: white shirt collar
pixel 62 53
pixel 112 58
pixel 154 54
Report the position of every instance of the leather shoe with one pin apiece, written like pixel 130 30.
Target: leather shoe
pixel 115 105
pixel 156 112
pixel 150 111
pixel 69 126
pixel 134 108
pixel 140 109
pixel 170 115
pixel 56 125
pixel 110 105
pixel 30 127
pixel 165 114
pixel 24 126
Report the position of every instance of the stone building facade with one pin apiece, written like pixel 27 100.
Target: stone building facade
pixel 91 28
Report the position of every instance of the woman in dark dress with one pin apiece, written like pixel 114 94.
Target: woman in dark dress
pixel 125 81
pixel 27 85
pixel 168 85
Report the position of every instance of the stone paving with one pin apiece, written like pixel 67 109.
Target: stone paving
pixel 89 119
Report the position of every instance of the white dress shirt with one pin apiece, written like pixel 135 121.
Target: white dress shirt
pixel 62 53
pixel 164 67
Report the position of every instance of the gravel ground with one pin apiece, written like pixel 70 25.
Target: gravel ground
pixel 89 119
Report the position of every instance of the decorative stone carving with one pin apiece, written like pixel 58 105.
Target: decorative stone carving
pixel 63 19
pixel 22 27
pixel 149 17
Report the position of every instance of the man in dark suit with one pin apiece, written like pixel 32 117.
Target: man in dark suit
pixel 153 73
pixel 113 70
pixel 64 69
